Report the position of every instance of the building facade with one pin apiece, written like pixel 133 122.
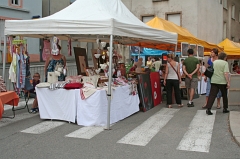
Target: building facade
pixel 209 20
pixel 21 10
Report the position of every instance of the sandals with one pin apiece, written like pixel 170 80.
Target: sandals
pixel 169 106
pixel 204 107
pixel 219 107
pixel 180 105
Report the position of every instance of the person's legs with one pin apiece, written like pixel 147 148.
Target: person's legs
pixel 177 92
pixel 207 91
pixel 169 92
pixel 213 93
pixel 219 95
pixel 35 104
pixel 223 89
pixel 194 85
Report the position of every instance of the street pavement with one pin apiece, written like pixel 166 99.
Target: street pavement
pixel 158 133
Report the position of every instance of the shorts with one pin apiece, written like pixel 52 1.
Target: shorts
pixel 219 95
pixel 191 83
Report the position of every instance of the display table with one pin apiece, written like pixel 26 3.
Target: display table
pixel 93 110
pixel 202 85
pixel 67 105
pixel 57 104
pixel 9 97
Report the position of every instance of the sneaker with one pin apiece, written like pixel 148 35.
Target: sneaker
pixel 190 105
pixel 34 110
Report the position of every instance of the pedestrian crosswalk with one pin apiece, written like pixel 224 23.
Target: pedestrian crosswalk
pixel 197 137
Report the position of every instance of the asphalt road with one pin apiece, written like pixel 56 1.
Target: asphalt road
pixel 177 133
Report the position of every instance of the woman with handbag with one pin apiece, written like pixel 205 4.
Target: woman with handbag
pixel 172 80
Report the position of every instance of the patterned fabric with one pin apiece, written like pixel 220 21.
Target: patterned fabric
pixel 51 68
pixel 2 85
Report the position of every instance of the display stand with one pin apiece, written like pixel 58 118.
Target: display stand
pixel 234 90
pixel 156 88
pixel 145 92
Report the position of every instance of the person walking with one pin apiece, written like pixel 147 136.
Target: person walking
pixel 172 79
pixel 214 56
pixel 190 69
pixel 219 81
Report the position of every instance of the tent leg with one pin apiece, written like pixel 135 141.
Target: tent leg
pixel 4 56
pixel 109 82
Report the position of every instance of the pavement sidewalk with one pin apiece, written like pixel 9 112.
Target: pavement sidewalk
pixel 234 124
pixel 234 116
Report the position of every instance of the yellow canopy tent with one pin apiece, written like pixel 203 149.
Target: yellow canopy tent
pixel 232 49
pixel 183 34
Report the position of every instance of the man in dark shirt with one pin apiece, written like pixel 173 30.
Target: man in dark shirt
pixel 190 68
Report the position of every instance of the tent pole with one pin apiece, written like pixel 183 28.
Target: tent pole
pixel 4 57
pixel 109 81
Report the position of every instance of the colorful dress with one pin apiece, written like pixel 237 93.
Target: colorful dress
pixel 51 68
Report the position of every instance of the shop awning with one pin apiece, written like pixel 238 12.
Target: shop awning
pixel 232 49
pixel 183 34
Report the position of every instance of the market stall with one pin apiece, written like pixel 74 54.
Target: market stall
pixel 106 20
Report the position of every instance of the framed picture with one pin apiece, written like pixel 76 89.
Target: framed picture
pixel 184 49
pixel 200 51
pixel 81 60
pixel 194 47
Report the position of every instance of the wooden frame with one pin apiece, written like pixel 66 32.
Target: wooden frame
pixel 184 49
pixel 200 51
pixel 194 47
pixel 81 60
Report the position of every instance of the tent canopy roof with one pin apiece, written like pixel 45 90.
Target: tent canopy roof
pixel 87 20
pixel 232 49
pixel 183 34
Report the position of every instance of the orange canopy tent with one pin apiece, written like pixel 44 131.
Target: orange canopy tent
pixel 232 49
pixel 183 34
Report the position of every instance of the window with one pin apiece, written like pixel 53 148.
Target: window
pixel 220 1
pixel 15 2
pixel 175 18
pixel 225 4
pixel 233 39
pixel 224 30
pixel 159 0
pixel 147 18
pixel 233 11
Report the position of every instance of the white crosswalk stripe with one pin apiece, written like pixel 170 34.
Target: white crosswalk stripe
pixel 43 127
pixel 86 132
pixel 147 130
pixel 199 134
pixel 18 117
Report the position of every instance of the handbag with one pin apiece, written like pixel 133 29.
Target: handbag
pixel 209 71
pixel 28 83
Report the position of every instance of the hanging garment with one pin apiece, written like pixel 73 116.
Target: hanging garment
pixel 51 68
pixel 46 49
pixel 22 68
pixel 13 69
pixel 69 47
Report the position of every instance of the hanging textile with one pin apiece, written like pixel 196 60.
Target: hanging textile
pixel 46 49
pixel 13 69
pixel 69 47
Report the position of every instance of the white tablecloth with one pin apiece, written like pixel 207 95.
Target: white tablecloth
pixel 202 85
pixel 67 105
pixel 93 110
pixel 57 104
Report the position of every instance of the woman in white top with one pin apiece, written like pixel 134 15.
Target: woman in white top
pixel 172 80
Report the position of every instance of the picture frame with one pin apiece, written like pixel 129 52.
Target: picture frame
pixel 194 47
pixel 81 60
pixel 200 51
pixel 184 49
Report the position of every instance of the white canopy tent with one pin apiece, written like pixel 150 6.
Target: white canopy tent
pixel 88 20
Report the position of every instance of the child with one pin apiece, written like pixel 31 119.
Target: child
pixel 36 80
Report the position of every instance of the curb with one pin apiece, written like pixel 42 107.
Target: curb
pixel 234 125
